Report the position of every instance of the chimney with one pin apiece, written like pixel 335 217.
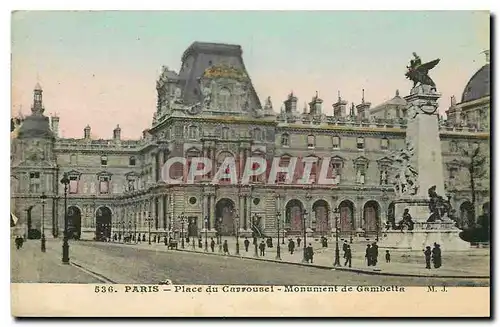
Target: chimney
pixel 117 133
pixel 315 106
pixel 54 125
pixel 339 107
pixel 291 103
pixel 363 107
pixel 86 132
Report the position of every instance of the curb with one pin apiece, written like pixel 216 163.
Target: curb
pixel 354 270
pixel 359 271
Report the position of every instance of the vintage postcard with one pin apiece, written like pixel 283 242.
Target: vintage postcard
pixel 247 164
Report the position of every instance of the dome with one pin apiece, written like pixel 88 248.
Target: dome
pixel 35 126
pixel 478 86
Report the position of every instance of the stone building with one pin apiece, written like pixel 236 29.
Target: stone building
pixel 210 109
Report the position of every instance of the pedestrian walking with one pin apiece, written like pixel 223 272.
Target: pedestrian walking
pixel 143 237
pixel 165 240
pixel 344 246
pixel 436 255
pixel 212 244
pixel 298 242
pixel 291 246
pixel 310 253
pixel 348 256
pixel 368 255
pixel 246 243
pixel 387 256
pixel 262 248
pixel 154 238
pixel 225 247
pixel 427 254
pixel 374 254
pixel 200 242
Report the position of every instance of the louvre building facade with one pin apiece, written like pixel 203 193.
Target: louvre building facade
pixel 210 109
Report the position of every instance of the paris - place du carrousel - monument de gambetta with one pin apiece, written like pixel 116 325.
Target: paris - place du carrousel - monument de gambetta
pixel 420 181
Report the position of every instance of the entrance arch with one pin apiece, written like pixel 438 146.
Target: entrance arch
pixel 103 223
pixel 293 215
pixel 224 214
pixel 371 216
pixel 320 210
pixel 467 217
pixel 346 209
pixel 74 222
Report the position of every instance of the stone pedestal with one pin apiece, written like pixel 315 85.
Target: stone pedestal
pixel 444 234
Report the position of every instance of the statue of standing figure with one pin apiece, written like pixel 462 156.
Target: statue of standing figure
pixel 207 97
pixel 406 175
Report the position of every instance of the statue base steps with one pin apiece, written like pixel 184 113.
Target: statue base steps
pixel 442 233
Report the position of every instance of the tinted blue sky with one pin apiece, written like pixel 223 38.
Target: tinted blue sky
pixel 101 67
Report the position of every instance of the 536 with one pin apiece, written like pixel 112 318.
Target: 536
pixel 104 289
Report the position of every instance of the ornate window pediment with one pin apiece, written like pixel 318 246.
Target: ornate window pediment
pixel 74 173
pixel 453 164
pixel 104 174
pixel 361 161
pixel 384 162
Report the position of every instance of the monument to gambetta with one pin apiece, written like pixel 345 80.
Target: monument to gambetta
pixel 421 210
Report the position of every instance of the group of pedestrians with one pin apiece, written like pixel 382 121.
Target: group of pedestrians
pixel 433 255
pixel 371 254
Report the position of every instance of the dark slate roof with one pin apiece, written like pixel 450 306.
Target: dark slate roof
pixel 201 55
pixel 478 86
pixel 35 126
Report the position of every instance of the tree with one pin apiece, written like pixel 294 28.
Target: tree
pixel 475 164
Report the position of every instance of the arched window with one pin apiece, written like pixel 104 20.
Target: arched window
pixel 225 99
pixel 285 139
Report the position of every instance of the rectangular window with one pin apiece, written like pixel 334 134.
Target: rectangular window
pixel 131 161
pixel 384 144
pixel 73 159
pixel 73 184
pixel 360 143
pixel 453 173
pixel 336 142
pixel 35 182
pixel 178 131
pixel 104 160
pixel 104 184
pixel 310 141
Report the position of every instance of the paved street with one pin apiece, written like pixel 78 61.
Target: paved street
pixel 133 264
pixel 30 265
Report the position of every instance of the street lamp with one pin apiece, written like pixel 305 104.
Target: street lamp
pixel 219 234
pixel 191 221
pixel 206 233
pixel 278 249
pixel 336 263
pixel 135 231
pixel 130 230
pixel 254 224
pixel 65 246
pixel 377 226
pixel 304 213
pixel 149 229
pixel 43 197
pixel 237 225
pixel 182 220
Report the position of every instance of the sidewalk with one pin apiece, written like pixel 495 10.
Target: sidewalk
pixel 471 264
pixel 30 265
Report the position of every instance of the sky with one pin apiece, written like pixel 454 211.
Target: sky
pixel 100 68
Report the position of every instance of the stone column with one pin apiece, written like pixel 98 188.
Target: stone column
pixel 241 211
pixel 160 211
pixel 212 212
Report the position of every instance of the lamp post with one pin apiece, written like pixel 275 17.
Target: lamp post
pixel 336 263
pixel 43 197
pixel 149 229
pixel 206 233
pixel 181 218
pixel 254 223
pixel 130 230
pixel 135 231
pixel 278 249
pixel 237 225
pixel 65 246
pixel 304 213
pixel 192 237
pixel 377 227
pixel 219 228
